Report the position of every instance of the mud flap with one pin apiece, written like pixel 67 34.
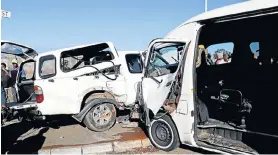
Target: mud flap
pixel 80 116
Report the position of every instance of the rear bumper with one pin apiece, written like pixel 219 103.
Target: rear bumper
pixel 26 105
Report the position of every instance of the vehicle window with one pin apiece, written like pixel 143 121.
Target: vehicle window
pixel 164 59
pixel 255 46
pixel 134 63
pixel 27 71
pixel 47 67
pixel 220 53
pixel 81 57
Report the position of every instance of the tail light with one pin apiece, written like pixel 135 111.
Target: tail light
pixel 39 94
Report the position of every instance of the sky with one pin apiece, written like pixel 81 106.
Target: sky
pixel 130 25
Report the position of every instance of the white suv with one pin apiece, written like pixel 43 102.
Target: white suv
pixel 77 80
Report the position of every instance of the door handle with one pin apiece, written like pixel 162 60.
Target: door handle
pixel 50 80
pixel 168 83
pixel 75 78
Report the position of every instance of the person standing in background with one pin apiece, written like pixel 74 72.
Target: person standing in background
pixel 5 83
pixel 3 96
pixel 14 71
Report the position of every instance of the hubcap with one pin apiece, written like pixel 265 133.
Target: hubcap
pixel 101 114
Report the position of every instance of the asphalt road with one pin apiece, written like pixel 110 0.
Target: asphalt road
pixel 27 138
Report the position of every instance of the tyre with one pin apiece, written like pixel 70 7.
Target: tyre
pixel 163 134
pixel 101 117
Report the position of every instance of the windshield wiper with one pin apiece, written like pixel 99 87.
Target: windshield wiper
pixel 175 59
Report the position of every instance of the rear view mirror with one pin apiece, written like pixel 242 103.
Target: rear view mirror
pixel 180 48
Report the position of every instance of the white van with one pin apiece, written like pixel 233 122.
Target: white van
pixel 226 108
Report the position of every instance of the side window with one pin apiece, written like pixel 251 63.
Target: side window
pixel 27 71
pixel 47 66
pixel 220 53
pixel 255 47
pixel 164 59
pixel 81 57
pixel 134 63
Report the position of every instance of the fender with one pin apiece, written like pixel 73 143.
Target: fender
pixel 80 116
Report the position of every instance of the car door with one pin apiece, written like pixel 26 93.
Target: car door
pixel 160 68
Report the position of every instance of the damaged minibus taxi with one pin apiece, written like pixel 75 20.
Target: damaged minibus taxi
pixel 225 108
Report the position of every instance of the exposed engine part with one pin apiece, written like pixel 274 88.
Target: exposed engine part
pixel 135 115
pixel 125 122
pixel 124 118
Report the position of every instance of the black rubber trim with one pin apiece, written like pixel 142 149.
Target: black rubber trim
pixel 80 116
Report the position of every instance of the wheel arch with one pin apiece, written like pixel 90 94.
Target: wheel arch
pixel 92 97
pixel 90 104
pixel 162 112
pixel 95 94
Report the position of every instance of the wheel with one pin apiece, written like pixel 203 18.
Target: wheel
pixel 101 117
pixel 163 134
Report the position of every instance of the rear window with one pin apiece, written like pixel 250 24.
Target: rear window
pixel 134 63
pixel 47 66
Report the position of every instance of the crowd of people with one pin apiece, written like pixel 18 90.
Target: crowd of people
pixel 220 56
pixel 8 80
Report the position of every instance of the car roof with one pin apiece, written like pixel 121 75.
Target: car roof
pixel 243 7
pixel 58 51
pixel 129 52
